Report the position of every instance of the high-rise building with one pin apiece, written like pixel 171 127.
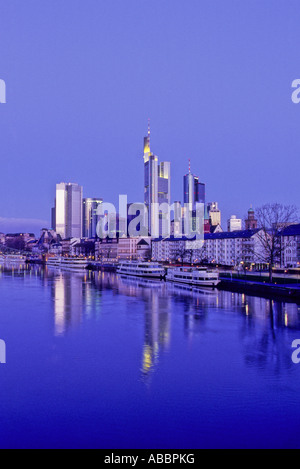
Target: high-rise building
pixel 193 190
pixel 68 210
pixel 251 222
pixel 53 217
pixel 234 224
pixel 193 194
pixel 90 216
pixel 157 184
pixel 214 213
pixel 164 182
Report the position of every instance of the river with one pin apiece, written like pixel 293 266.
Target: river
pixel 94 360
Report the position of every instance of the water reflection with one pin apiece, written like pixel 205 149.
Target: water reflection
pixel 260 324
pixel 156 306
pixel 67 292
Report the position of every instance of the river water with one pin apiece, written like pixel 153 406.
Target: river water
pixel 99 361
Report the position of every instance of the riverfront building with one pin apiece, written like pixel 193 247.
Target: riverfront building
pixel 227 248
pixel 291 246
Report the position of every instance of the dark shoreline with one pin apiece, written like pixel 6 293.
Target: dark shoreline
pixel 266 290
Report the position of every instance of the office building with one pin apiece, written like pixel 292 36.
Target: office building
pixel 90 216
pixel 157 182
pixel 214 214
pixel 193 190
pixel 68 210
pixel 193 194
pixel 234 224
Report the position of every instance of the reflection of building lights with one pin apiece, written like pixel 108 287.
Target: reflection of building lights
pixel 147 359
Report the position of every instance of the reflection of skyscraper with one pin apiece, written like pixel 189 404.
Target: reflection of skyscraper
pixel 67 294
pixel 90 217
pixel 156 184
pixel 157 330
pixel 68 210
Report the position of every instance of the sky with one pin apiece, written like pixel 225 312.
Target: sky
pixel 83 77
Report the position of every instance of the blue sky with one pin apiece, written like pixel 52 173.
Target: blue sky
pixel 82 79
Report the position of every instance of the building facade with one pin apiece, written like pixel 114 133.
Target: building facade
pixel 214 213
pixel 193 190
pixel 251 222
pixel 234 224
pixel 68 210
pixel 157 185
pixel 291 246
pixel 90 217
pixel 225 248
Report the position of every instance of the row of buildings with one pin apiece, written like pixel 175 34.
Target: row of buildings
pixel 75 216
pixel 75 220
pixel 236 248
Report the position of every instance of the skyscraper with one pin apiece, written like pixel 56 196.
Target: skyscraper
pixel 90 217
pixel 214 213
pixel 193 190
pixel 164 182
pixel 68 210
pixel 193 194
pixel 157 183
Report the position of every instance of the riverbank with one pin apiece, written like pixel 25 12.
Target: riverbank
pixel 288 291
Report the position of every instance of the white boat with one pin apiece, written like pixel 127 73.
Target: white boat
pixel 54 261
pixel 13 258
pixel 193 276
pixel 68 262
pixel 141 269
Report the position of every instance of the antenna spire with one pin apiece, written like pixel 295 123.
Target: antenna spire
pixel 149 132
pixel 189 166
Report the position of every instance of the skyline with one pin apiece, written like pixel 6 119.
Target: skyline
pixel 215 80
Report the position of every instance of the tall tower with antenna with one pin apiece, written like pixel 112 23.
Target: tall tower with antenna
pixel 157 185
pixel 193 190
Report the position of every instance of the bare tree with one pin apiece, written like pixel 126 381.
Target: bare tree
pixel 272 219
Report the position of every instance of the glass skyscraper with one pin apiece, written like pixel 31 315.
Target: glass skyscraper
pixel 194 191
pixel 68 210
pixel 157 183
pixel 90 217
pixel 193 194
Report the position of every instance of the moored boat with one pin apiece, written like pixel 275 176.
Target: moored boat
pixel 68 262
pixel 13 258
pixel 193 276
pixel 141 269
